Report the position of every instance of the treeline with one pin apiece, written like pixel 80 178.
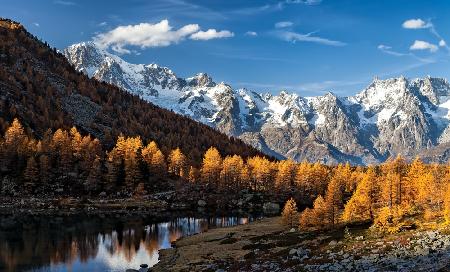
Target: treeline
pixel 65 161
pixel 392 196
pixel 69 163
pixel 41 88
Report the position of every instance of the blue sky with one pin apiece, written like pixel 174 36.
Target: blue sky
pixel 304 46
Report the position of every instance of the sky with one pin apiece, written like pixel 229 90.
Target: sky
pixel 305 46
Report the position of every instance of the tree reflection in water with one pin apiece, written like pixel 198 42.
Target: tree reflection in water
pixel 92 243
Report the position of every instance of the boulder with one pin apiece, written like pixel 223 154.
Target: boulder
pixel 270 208
pixel 143 268
pixel 332 243
pixel 201 203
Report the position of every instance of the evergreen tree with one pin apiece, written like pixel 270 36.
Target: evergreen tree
pixel 44 169
pixel 31 174
pixel 94 179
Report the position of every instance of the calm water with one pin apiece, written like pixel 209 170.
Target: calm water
pixel 94 243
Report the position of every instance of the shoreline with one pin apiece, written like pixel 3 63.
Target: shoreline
pixel 266 245
pixel 171 202
pixel 110 207
pixel 215 248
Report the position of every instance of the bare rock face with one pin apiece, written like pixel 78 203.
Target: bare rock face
pixel 389 117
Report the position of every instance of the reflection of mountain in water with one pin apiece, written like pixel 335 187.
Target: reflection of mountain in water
pixel 81 244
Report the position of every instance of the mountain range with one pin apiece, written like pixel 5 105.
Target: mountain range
pixel 389 117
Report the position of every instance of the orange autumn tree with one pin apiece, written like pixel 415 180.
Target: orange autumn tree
pixel 360 207
pixel 316 217
pixel 230 175
pixel 194 174
pixel 447 204
pixel 289 215
pixel 286 173
pixel 326 210
pixel 132 159
pixel 343 174
pixel 334 199
pixel 262 173
pixel 154 159
pixel 13 145
pixel 211 167
pixel 177 163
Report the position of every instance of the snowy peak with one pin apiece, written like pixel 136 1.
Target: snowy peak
pixel 388 117
pixel 437 90
pixel 201 80
pixel 85 56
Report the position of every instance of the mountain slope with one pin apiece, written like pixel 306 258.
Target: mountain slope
pixel 40 87
pixel 387 118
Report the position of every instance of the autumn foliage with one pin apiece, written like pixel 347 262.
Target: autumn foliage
pixel 72 163
pixel 289 214
pixel 386 195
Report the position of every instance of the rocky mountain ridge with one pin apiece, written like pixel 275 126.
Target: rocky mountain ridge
pixel 389 117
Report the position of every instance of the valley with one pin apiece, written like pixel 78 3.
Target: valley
pixel 108 165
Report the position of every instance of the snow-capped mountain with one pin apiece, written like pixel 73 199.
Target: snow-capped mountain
pixel 389 117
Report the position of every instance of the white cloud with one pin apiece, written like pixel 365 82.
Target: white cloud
pixel 421 24
pixel 64 3
pixel 103 24
pixel 294 37
pixel 416 24
pixel 146 35
pixel 211 34
pixel 423 45
pixel 384 47
pixel 305 2
pixel 36 24
pixel 251 33
pixel 258 9
pixel 283 24
pixel 273 7
pixel 388 50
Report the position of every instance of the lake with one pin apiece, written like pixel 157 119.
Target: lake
pixel 80 243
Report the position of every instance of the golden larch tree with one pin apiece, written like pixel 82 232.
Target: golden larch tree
pixel 360 206
pixel 289 214
pixel 334 199
pixel 447 204
pixel 286 173
pixel 194 174
pixel 211 167
pixel 177 163
pixel 230 176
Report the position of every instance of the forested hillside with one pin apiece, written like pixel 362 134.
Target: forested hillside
pixel 39 87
